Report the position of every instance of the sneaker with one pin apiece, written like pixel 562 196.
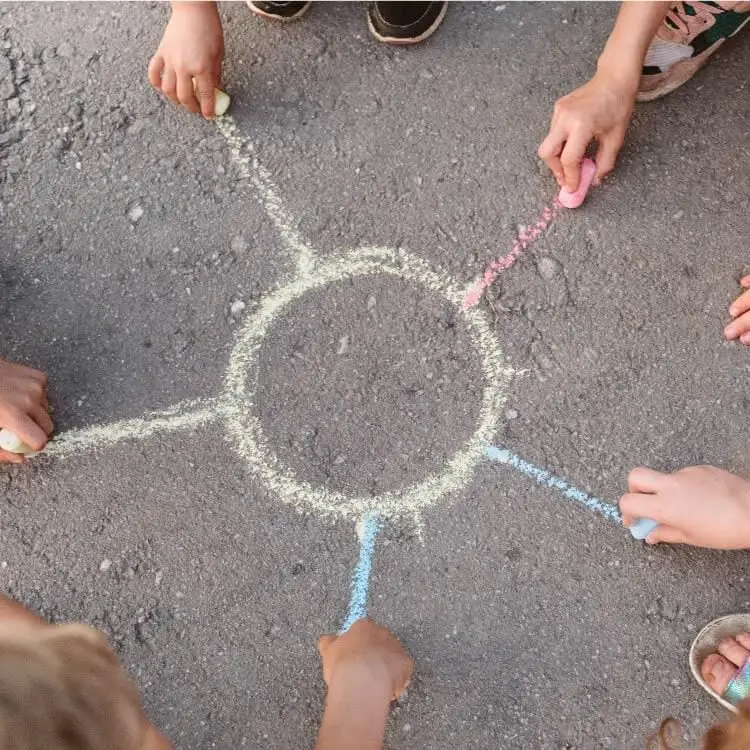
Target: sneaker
pixel 404 23
pixel 690 34
pixel 279 11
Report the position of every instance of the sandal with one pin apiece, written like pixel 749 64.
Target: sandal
pixel 706 642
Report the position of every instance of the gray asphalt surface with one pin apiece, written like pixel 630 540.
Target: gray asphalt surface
pixel 533 622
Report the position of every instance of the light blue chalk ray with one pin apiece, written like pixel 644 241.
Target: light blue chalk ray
pixel 371 525
pixel 545 479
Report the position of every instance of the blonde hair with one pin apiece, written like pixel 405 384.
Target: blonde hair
pixel 62 688
pixel 732 735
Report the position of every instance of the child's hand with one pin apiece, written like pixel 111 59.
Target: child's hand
pixel 368 651
pixel 699 505
pixel 24 409
pixel 599 110
pixel 739 328
pixel 192 48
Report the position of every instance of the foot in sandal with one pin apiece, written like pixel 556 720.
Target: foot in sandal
pixel 727 671
pixel 720 659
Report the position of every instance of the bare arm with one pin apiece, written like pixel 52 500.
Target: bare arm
pixel 356 713
pixel 601 109
pixel 626 48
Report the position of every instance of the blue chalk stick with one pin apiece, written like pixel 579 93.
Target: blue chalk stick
pixel 643 527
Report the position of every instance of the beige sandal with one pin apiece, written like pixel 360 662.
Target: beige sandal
pixel 707 642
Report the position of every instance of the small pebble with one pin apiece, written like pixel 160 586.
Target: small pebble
pixel 105 565
pixel 237 307
pixel 238 244
pixel 511 414
pixel 134 213
pixel 65 50
pixel 14 107
pixel 548 268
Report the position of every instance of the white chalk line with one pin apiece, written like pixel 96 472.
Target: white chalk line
pixel 240 397
pixel 187 415
pixel 242 151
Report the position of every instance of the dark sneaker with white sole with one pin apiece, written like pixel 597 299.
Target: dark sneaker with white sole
pixel 404 23
pixel 279 11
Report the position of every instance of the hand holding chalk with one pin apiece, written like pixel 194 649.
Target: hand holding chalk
pixel 642 528
pixel 10 442
pixel 571 199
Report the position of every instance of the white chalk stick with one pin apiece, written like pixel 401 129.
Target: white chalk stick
pixel 13 444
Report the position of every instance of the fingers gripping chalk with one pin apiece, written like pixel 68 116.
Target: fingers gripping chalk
pixel 642 527
pixel 221 100
pixel 13 444
pixel 571 199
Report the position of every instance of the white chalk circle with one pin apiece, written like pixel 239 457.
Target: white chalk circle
pixel 238 404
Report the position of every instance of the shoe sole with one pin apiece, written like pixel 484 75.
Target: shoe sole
pixel 686 69
pixel 397 41
pixel 281 19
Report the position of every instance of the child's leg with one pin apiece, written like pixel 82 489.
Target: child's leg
pixel 690 34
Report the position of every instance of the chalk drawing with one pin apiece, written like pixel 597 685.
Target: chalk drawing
pixel 367 531
pixel 187 415
pixel 476 291
pixel 241 150
pixel 545 479
pixel 240 400
pixel 236 406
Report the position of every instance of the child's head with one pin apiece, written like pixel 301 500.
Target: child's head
pixel 62 688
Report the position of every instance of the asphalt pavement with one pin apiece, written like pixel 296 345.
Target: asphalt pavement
pixel 135 251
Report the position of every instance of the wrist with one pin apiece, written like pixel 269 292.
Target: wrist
pixel 363 679
pixel 618 70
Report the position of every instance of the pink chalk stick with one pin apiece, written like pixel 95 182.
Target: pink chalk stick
pixel 571 199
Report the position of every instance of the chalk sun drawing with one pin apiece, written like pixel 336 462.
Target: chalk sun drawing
pixel 236 406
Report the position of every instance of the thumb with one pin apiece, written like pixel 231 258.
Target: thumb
pixel 666 535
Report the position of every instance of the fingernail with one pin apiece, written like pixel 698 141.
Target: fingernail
pixel 745 338
pixel 728 332
pixel 733 312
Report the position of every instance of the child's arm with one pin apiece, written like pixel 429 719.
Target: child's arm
pixel 365 669
pixel 187 65
pixel 601 109
pixel 24 409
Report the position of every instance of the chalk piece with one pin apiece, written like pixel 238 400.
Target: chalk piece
pixel 13 444
pixel 221 102
pixel 571 199
pixel 643 527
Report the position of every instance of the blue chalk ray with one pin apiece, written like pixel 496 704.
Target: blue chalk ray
pixel 545 479
pixel 371 525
